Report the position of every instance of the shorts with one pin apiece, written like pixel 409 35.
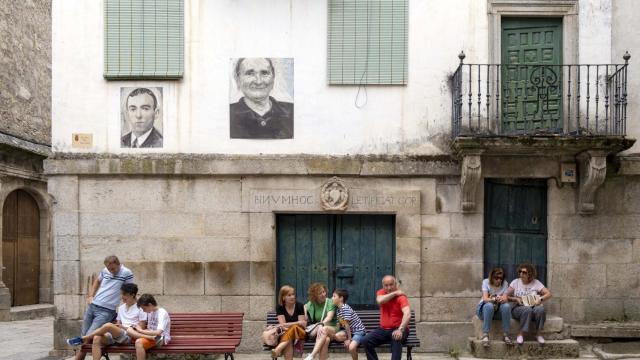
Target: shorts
pixel 124 338
pixel 148 344
pixel 96 316
pixel 356 336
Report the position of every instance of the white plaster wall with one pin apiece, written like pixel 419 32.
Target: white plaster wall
pixel 412 119
pixel 625 37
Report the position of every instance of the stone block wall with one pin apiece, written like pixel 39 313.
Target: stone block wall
pixel 25 69
pixel 594 260
pixel 196 242
pixel 201 243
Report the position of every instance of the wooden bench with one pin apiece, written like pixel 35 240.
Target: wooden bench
pixel 371 321
pixel 193 333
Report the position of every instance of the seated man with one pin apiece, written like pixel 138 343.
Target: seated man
pixel 158 331
pixel 395 314
pixel 129 316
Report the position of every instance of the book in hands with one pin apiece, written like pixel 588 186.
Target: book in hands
pixel 530 300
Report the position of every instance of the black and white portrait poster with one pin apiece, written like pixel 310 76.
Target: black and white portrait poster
pixel 261 98
pixel 141 117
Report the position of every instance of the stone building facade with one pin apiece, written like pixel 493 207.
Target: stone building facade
pixel 25 141
pixel 200 221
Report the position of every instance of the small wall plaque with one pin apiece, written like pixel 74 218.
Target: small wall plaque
pixel 568 172
pixel 82 141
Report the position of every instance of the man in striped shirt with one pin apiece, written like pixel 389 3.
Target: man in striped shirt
pixel 104 296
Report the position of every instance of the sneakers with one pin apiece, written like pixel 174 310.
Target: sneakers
pixel 485 340
pixel 75 341
pixel 540 339
pixel 309 357
pixel 507 340
pixel 520 339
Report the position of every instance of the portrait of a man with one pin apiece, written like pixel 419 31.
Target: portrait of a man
pixel 259 113
pixel 141 117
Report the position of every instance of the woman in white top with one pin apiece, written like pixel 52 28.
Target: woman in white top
pixel 528 286
pixel 494 304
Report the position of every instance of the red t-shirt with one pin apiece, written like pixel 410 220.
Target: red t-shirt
pixel 391 311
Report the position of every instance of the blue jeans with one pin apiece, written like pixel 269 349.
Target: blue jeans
pixel 96 316
pixel 487 314
pixel 381 336
pixel 527 314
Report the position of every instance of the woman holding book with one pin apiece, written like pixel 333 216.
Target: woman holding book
pixel 528 294
pixel 494 304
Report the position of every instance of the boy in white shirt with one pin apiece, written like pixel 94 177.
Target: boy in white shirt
pixel 130 317
pixel 158 331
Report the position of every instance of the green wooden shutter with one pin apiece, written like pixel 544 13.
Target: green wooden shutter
pixel 367 42
pixel 144 39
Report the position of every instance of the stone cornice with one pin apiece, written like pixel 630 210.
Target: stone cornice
pixel 244 165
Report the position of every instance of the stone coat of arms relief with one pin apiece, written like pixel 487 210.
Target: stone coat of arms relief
pixel 334 195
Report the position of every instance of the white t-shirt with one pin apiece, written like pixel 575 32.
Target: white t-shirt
pixel 130 316
pixel 493 291
pixel 159 320
pixel 520 289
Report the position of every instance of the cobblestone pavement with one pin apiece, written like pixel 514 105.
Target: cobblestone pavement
pixel 26 340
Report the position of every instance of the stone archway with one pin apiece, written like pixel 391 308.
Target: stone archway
pixel 40 206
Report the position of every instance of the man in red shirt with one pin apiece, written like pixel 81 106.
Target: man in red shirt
pixel 394 320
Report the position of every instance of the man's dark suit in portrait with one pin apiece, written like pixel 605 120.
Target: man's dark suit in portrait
pixel 141 112
pixel 257 115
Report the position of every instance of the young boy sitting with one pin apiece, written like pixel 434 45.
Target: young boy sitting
pixel 129 316
pixel 354 329
pixel 158 331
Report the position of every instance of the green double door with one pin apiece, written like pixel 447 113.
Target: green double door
pixel 342 251
pixel 531 75
pixel 515 226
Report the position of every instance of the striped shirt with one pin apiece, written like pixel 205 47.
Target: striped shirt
pixel 347 315
pixel 108 295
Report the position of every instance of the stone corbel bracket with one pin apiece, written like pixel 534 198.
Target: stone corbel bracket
pixel 593 170
pixel 471 176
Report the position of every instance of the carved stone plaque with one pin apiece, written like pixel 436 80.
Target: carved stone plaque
pixel 334 195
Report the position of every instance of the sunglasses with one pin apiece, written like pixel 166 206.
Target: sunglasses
pixel 523 272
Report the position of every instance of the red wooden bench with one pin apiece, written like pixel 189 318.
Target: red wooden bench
pixel 193 333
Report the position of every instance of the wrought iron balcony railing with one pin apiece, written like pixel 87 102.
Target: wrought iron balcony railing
pixel 541 99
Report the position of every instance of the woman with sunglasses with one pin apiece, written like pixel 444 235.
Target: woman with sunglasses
pixel 525 285
pixel 494 304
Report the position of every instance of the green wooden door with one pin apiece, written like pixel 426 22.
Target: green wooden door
pixel 349 251
pixel 515 226
pixel 531 75
pixel 364 254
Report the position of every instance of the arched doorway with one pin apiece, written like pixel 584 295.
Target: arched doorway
pixel 21 247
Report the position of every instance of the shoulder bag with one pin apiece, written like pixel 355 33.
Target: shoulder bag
pixel 271 334
pixel 309 329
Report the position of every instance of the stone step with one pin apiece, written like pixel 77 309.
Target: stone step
pixel 612 329
pixel 552 349
pixel 553 328
pixel 30 312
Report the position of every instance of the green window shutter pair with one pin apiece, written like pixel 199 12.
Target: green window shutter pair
pixel 144 39
pixel 367 42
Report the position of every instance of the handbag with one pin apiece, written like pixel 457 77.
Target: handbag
pixel 271 334
pixel 309 329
